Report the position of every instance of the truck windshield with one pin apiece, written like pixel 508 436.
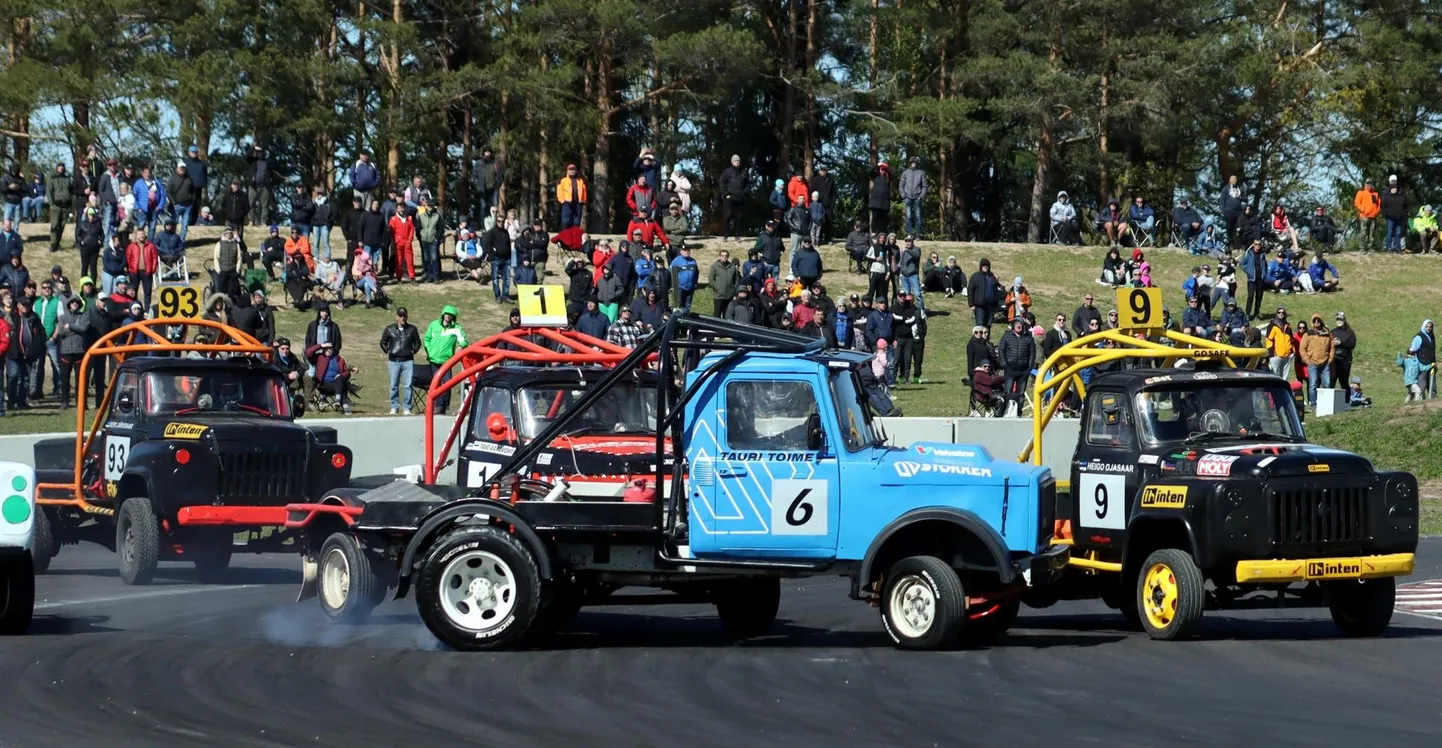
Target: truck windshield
pixel 1240 411
pixel 627 408
pixel 851 412
pixel 258 392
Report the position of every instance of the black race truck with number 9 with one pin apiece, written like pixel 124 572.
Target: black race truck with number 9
pixel 1188 476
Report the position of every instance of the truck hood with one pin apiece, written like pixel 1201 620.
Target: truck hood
pixel 945 464
pixel 1259 460
pixel 230 429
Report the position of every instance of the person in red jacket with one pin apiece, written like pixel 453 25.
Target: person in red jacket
pixel 403 232
pixel 641 199
pixel 142 260
pixel 797 193
pixel 650 231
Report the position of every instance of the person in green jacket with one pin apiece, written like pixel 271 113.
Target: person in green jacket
pixel 443 338
pixel 47 307
pixel 58 192
pixel 428 224
pixel 1425 224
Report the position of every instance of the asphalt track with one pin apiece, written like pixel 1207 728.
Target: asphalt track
pixel 182 664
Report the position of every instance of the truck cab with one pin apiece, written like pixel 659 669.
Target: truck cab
pixel 1192 475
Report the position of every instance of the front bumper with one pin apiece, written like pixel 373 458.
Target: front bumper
pixel 1310 569
pixel 1046 567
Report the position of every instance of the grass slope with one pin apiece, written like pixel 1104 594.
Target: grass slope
pixel 1379 295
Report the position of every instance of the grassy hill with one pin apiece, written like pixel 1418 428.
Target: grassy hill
pixel 1380 296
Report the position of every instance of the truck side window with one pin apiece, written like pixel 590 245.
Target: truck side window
pixel 1109 423
pixel 491 401
pixel 125 385
pixel 768 415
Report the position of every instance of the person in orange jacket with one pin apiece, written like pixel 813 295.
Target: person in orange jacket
pixel 297 247
pixel 797 192
pixel 1369 205
pixel 142 261
pixel 403 233
pixel 572 197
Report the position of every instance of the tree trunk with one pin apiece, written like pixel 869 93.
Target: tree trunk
pixel 1046 144
pixel 788 106
pixel 1104 182
pixel 603 211
pixel 808 156
pixel 871 79
pixel 360 95
pixel 503 152
pixel 19 41
pixel 467 146
pixel 393 143
pixel 325 139
pixel 442 159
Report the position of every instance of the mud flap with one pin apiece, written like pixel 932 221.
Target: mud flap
pixel 309 577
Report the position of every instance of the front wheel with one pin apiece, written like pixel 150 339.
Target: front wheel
pixel 43 547
pixel 1171 595
pixel 479 589
pixel 347 583
pixel 1362 608
pixel 17 594
pixel 137 541
pixel 923 604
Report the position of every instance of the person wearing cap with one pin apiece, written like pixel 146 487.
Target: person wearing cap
pixel 571 194
pixel 1424 343
pixel 1368 205
pixel 806 264
pixel 26 351
pixel 400 342
pixel 48 307
pixel 170 249
pixel 15 275
pixel 292 368
pixel 1018 300
pixel 724 277
pixel 1394 211
pixel 1344 342
pixel 107 191
pixel 151 200
pixel 198 171
pixel 11 242
pixel 913 187
pixel 235 208
pixel 1188 223
pixel 1278 337
pixel 675 225
pixel 743 308
pixel 257 181
pixel 246 317
pixel 226 259
pixel 1234 322
pixel 181 192
pixel 364 178
pixel 71 331
pixel 1111 222
pixel 403 239
pixel 641 198
pixel 878 200
pixel 732 187
pixel 908 269
pixel 332 373
pixel 1232 203
pixel 442 339
pixel 1063 218
pixel 624 331
pixel 59 192
pixel 909 322
pixel 272 250
pixel 1316 351
pixel 1321 229
pixel 685 274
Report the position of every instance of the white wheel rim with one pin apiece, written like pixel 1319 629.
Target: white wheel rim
pixel 913 607
pixel 335 579
pixel 478 591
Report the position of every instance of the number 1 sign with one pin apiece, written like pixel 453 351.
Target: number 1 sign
pixel 542 306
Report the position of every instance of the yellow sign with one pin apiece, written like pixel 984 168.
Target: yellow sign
pixel 1319 468
pixel 1164 497
pixel 1334 568
pixel 112 488
pixel 1139 308
pixel 542 306
pixel 184 431
pixel 1208 353
pixel 178 302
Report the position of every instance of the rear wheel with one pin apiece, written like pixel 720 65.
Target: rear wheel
pixel 923 604
pixel 347 586
pixel 43 547
pixel 748 607
pixel 17 594
pixel 1171 595
pixel 137 541
pixel 1362 608
pixel 479 589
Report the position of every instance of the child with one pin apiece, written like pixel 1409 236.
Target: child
pixel 1412 371
pixel 818 218
pixel 1144 275
pixel 1355 398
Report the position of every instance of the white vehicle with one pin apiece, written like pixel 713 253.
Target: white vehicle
pixel 17 534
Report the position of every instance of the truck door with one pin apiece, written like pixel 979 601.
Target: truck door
pixel 490 438
pixel 111 448
pixel 765 474
pixel 1103 472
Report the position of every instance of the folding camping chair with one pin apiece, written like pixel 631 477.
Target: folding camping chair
pixel 176 273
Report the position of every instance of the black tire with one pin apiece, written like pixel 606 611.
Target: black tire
pixel 137 541
pixel 748 607
pixel 1362 609
pixel 1119 597
pixel 991 627
pixel 1171 595
pixel 17 594
pixel 43 547
pixel 446 567
pixel 346 563
pixel 211 555
pixel 933 592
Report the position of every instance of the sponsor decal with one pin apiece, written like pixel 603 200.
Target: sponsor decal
pixel 1148 459
pixel 492 447
pixel 1216 466
pixel 544 458
pixel 769 456
pixel 185 430
pixel 112 489
pixel 1154 380
pixel 1204 375
pixel 1319 468
pixel 1267 461
pixel 1106 467
pixel 945 452
pixel 1164 497
pixel 911 469
pixel 1334 568
pixel 1208 353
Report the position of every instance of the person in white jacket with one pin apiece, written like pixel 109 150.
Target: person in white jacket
pixel 683 189
pixel 1063 220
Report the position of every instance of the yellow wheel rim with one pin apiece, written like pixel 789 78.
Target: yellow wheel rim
pixel 1159 596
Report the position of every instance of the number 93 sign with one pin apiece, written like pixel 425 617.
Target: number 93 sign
pixel 1139 308
pixel 177 302
pixel 542 306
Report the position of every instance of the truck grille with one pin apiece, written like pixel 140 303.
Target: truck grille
pixel 261 475
pixel 1319 515
pixel 1047 521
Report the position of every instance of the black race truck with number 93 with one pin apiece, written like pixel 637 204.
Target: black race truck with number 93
pixel 1196 475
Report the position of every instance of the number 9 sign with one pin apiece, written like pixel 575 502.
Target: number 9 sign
pixel 1139 308
pixel 178 302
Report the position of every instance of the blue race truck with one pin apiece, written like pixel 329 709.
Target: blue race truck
pixel 784 475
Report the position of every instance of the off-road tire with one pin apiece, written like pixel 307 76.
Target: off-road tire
pixel 1190 600
pixel 991 627
pixel 946 617
pixel 748 607
pixel 17 594
pixel 1362 609
pixel 360 595
pixel 514 629
pixel 43 546
pixel 137 560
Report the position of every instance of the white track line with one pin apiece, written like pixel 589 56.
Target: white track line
pixel 142 596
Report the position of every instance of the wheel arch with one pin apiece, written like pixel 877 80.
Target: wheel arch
pixel 441 518
pixel 1148 534
pixel 946 532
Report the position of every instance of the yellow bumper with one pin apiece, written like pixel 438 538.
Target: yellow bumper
pixel 1307 569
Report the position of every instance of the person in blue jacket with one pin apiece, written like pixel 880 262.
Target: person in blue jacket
pixel 150 200
pixel 1318 271
pixel 1254 265
pixel 1279 273
pixel 1212 243
pixel 685 273
pixel 1140 216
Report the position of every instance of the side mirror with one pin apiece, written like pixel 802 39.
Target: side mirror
pixel 125 402
pixel 815 437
